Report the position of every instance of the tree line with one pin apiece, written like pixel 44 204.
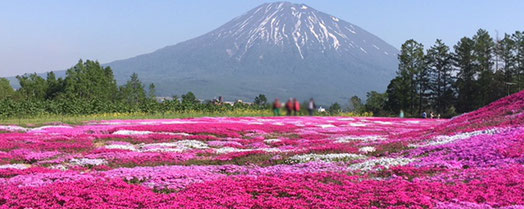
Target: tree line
pixel 90 88
pixel 449 81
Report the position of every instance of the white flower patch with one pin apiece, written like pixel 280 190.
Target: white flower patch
pixel 13 128
pixel 47 127
pixel 178 146
pixel 225 150
pixel 255 123
pixel 367 149
pixel 58 167
pixel 121 146
pixel 326 126
pixel 278 124
pixel 384 162
pixel 383 123
pixel 440 140
pixel 273 149
pixel 131 133
pixel 86 161
pixel 326 157
pixel 357 124
pixel 14 166
pixel 269 141
pixel 346 139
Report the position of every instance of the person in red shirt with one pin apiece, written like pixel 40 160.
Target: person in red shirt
pixel 289 107
pixel 296 107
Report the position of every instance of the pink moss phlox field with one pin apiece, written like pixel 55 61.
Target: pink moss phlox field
pixel 471 161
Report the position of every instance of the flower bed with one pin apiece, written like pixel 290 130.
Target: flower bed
pixel 472 161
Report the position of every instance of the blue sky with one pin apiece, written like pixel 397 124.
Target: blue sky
pixel 39 36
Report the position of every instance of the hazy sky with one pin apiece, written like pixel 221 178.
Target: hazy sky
pixel 39 36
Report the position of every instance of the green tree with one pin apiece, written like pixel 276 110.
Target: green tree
pixel 465 84
pixel 376 102
pixel 32 86
pixel 152 91
pixel 506 75
pixel 411 81
pixel 55 87
pixel 335 108
pixel 397 99
pixel 89 80
pixel 440 67
pixel 6 90
pixel 133 91
pixel 260 100
pixel 189 99
pixel 355 105
pixel 483 58
pixel 518 38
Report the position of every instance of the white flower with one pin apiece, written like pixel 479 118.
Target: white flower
pixel 121 146
pixel 269 141
pixel 325 157
pixel 367 149
pixel 357 124
pixel 346 139
pixel 87 161
pixel 326 126
pixel 385 162
pixel 178 146
pixel 131 133
pixel 439 140
pixel 14 166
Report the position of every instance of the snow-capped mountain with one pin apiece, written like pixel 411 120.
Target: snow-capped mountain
pixel 278 49
pixel 283 24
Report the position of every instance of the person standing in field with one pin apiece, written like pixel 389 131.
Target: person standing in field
pixel 276 107
pixel 289 107
pixel 424 115
pixel 296 107
pixel 311 107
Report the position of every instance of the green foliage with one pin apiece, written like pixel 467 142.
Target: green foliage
pixel 6 90
pixel 376 102
pixel 440 67
pixel 335 108
pixel 151 91
pixel 355 105
pixel 478 72
pixel 260 100
pixel 133 91
pixel 189 99
pixel 32 86
pixel 89 80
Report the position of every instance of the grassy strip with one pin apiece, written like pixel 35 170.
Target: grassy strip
pixel 80 119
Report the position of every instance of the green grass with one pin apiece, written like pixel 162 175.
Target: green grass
pixel 30 121
pixel 80 119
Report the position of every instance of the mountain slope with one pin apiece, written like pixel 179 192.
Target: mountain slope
pixel 279 49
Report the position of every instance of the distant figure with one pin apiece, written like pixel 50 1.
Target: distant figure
pixel 424 115
pixel 296 107
pixel 401 113
pixel 311 107
pixel 431 115
pixel 289 107
pixel 276 107
pixel 438 116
